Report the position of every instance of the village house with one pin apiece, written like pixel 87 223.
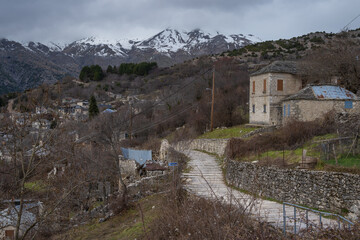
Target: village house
pixel 276 95
pixel 41 124
pixel 9 217
pixel 313 102
pixel 268 87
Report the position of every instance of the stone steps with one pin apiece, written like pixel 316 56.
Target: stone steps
pixel 205 179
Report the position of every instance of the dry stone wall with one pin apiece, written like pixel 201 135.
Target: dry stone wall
pixel 337 192
pixel 216 146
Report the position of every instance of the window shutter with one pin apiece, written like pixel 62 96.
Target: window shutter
pixel 280 85
pixel 264 85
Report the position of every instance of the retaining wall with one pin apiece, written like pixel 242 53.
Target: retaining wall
pixel 336 192
pixel 216 146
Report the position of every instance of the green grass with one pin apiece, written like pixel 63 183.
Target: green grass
pixel 343 161
pixel 293 156
pixel 237 131
pixel 35 186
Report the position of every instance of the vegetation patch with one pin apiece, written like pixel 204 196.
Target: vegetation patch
pixel 233 132
pixel 126 225
pixel 36 186
pixel 346 161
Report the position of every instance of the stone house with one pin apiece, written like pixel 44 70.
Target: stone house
pixel 276 95
pixel 9 217
pixel 41 124
pixel 268 87
pixel 313 102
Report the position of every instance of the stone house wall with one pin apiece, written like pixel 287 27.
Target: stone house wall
pixel 309 110
pixel 271 97
pixel 330 191
pixel 128 167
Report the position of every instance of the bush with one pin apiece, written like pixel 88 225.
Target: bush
pixel 188 217
pixel 290 136
pixel 317 40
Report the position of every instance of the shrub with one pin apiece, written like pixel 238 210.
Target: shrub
pixel 290 136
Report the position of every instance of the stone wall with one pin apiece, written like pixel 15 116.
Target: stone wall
pixel 304 110
pixel 316 189
pixel 216 146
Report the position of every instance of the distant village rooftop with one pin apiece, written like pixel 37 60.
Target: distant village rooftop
pixel 278 67
pixel 323 92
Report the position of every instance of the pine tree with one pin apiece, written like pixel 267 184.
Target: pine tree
pixel 93 108
pixel 109 69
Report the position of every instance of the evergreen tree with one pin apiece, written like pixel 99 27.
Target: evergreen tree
pixel 93 108
pixel 84 74
pixel 109 69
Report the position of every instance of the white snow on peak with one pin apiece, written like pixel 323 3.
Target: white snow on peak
pixel 96 41
pixel 253 38
pixel 166 41
pixel 56 47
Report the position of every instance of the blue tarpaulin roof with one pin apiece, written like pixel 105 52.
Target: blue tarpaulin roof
pixel 332 92
pixel 108 110
pixel 140 156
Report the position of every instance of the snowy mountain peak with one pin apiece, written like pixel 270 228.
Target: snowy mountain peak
pixel 167 42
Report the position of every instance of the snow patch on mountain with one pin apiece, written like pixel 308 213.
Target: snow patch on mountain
pixel 166 42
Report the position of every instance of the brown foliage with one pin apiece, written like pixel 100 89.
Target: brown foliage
pixel 340 59
pixel 189 217
pixel 290 136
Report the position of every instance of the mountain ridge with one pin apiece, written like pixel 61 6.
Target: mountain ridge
pixel 29 64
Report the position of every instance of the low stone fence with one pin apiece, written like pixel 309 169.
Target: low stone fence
pixel 216 146
pixel 336 192
pixel 260 130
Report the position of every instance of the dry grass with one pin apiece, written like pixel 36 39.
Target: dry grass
pixel 187 217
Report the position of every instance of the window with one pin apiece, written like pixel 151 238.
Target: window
pixel 264 108
pixel 284 110
pixel 280 85
pixel 348 104
pixel 253 91
pixel 288 109
pixel 264 86
pixel 253 110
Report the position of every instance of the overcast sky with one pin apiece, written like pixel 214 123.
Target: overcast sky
pixel 69 20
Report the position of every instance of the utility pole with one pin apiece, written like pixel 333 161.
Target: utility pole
pixel 212 101
pixel 130 135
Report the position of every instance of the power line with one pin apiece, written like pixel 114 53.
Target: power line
pixel 177 91
pixel 167 97
pixel 345 28
pixel 170 116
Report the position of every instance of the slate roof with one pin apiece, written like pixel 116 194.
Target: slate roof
pixel 323 92
pixel 9 216
pixel 278 67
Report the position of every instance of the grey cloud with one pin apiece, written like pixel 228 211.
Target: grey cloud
pixel 68 20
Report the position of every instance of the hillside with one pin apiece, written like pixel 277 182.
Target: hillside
pixel 26 65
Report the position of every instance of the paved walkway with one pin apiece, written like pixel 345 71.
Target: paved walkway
pixel 205 179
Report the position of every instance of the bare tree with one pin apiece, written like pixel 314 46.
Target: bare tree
pixel 339 59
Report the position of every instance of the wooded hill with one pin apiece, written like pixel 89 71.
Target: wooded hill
pixel 183 89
